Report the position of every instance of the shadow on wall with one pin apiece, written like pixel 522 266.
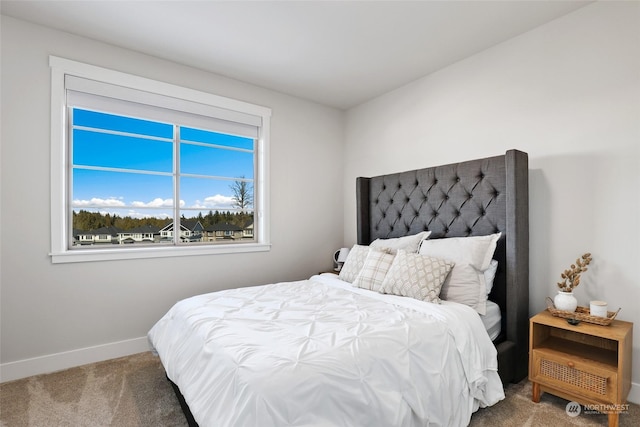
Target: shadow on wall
pixel 579 203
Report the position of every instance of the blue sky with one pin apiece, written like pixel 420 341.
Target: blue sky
pixel 150 194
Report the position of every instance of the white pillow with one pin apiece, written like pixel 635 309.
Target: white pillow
pixel 408 243
pixel 472 256
pixel 355 260
pixel 490 275
pixel 416 276
pixel 374 270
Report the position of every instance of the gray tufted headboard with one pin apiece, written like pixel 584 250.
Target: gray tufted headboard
pixel 471 198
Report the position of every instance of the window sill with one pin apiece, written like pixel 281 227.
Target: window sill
pixel 88 255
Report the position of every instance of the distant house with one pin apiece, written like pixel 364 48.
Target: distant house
pixel 100 235
pixel 222 231
pixel 190 231
pixel 76 233
pixel 247 231
pixel 143 234
pixel 115 235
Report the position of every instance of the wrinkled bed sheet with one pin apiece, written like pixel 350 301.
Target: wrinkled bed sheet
pixel 320 352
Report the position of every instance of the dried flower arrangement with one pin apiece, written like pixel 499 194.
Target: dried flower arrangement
pixel 571 276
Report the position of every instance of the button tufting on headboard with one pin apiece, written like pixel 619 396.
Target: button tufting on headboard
pixel 456 200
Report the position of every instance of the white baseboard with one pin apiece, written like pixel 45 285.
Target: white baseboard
pixel 634 394
pixel 69 359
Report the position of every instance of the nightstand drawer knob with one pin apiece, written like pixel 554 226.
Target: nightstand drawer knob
pixel 571 365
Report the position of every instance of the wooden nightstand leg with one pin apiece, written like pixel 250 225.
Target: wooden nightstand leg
pixel 613 420
pixel 535 395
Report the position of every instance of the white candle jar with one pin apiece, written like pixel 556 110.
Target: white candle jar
pixel 598 308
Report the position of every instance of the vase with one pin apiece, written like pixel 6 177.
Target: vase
pixel 565 301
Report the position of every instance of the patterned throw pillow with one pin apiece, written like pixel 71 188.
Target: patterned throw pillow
pixel 374 270
pixel 355 260
pixel 416 276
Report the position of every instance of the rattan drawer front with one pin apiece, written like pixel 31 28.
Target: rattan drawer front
pixel 573 376
pixel 570 373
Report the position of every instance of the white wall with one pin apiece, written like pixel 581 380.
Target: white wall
pixel 54 316
pixel 568 93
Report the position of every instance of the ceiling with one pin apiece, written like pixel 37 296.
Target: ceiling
pixel 336 53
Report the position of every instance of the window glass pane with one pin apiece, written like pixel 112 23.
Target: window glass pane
pixel 109 190
pixel 198 135
pixel 113 122
pixel 197 159
pixel 223 208
pixel 117 151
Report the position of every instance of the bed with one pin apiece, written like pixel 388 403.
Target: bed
pixel 337 350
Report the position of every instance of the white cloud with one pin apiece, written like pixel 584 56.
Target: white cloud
pixel 155 203
pixel 215 202
pixel 111 202
pixel 114 205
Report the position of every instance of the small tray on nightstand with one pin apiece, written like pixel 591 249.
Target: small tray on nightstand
pixel 582 314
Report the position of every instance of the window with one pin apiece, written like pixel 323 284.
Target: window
pixel 143 169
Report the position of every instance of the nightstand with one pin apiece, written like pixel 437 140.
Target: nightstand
pixel 586 363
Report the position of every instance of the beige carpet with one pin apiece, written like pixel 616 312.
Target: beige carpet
pixel 517 410
pixel 133 391
pixel 129 391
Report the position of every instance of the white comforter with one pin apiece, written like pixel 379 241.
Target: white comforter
pixel 320 352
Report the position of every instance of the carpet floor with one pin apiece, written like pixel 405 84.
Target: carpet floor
pixel 133 391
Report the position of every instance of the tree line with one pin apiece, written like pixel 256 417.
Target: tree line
pixel 86 221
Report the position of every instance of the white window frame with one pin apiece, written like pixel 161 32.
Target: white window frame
pixel 60 223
